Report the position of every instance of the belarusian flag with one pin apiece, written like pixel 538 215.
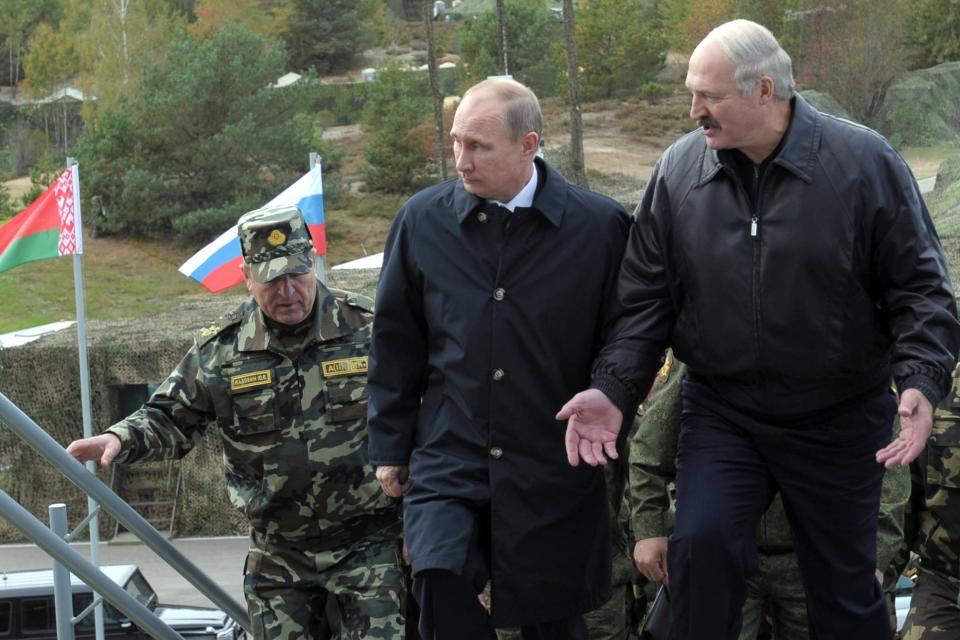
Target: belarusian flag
pixel 48 228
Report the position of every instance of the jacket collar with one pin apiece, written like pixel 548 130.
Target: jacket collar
pixel 254 334
pixel 550 200
pixel 799 152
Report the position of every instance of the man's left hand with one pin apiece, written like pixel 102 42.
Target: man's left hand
pixel 916 423
pixel 395 480
pixel 593 423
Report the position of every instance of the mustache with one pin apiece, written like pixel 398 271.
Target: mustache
pixel 708 123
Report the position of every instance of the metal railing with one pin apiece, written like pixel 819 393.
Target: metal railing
pixel 58 549
pixel 36 437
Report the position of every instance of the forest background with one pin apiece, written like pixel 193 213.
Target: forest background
pixel 177 114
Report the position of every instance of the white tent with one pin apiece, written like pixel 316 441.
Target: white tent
pixel 373 261
pixel 23 336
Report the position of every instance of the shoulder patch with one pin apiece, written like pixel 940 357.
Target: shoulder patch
pixel 358 300
pixel 209 331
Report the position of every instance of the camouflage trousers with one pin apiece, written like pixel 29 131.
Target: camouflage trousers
pixel 612 620
pixel 934 608
pixel 356 592
pixel 776 589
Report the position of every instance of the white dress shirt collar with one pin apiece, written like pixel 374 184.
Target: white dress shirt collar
pixel 525 197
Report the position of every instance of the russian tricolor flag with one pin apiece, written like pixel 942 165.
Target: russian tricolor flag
pixel 217 265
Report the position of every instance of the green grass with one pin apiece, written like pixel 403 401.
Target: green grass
pixel 925 160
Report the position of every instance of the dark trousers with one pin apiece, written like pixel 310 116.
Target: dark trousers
pixel 729 466
pixel 451 610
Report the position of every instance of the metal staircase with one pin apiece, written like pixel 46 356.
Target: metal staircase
pixel 152 489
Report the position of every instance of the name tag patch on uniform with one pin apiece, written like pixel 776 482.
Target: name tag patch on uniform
pixel 344 367
pixel 251 380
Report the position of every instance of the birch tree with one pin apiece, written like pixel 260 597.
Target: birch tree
pixel 114 39
pixel 577 170
pixel 439 147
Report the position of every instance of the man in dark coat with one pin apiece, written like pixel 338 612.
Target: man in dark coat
pixel 789 260
pixel 474 350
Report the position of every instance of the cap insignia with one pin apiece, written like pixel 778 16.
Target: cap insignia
pixel 276 238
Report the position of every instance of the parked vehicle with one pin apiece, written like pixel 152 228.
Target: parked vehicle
pixel 27 609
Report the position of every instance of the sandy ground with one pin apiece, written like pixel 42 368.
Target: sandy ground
pixel 18 187
pixel 607 150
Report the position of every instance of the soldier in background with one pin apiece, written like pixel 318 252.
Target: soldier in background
pixel 935 522
pixel 613 621
pixel 283 381
pixel 776 589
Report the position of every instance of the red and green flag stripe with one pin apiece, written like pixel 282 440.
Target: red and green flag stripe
pixel 48 228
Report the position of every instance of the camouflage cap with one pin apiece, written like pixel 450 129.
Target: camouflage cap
pixel 275 242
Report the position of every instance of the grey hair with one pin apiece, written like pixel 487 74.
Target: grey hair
pixel 521 109
pixel 755 52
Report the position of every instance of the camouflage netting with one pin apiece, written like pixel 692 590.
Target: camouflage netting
pixel 42 379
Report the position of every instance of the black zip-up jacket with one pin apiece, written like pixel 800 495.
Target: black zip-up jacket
pixel 818 290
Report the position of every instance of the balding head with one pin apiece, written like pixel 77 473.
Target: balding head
pixel 753 52
pixel 521 109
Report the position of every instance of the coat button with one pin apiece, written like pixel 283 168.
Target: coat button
pixel 498 374
pixel 496 452
pixel 499 294
pixel 481 217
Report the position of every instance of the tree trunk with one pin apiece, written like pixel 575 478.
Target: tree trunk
pixel 122 7
pixel 502 33
pixel 435 88
pixel 66 138
pixel 578 174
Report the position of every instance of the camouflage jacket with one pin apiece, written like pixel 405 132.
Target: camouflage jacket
pixel 293 426
pixel 934 521
pixel 652 468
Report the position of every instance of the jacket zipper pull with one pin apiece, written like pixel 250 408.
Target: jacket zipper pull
pixel 756 200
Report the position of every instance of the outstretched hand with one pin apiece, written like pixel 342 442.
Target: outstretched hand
pixel 102 449
pixel 593 423
pixel 916 423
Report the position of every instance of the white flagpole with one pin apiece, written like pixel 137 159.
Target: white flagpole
pixel 92 505
pixel 313 162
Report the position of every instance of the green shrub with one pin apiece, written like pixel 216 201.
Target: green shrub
pixel 398 157
pixel 653 91
pixel 6 204
pixel 203 225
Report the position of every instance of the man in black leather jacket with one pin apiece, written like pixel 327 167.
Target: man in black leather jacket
pixel 788 258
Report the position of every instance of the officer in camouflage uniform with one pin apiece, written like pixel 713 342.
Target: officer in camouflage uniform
pixel 935 606
pixel 283 381
pixel 776 588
